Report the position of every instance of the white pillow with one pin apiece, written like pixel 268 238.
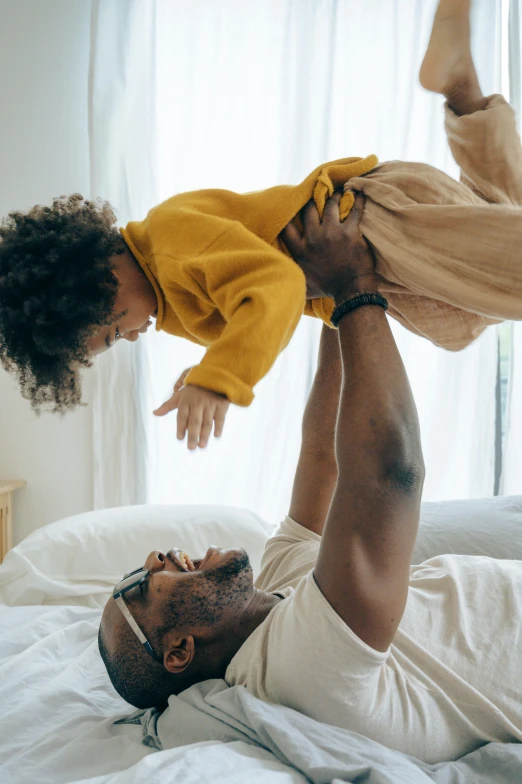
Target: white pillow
pixel 79 559
pixel 476 526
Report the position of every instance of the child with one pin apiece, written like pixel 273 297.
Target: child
pixel 214 266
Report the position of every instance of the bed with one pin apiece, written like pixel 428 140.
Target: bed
pixel 60 720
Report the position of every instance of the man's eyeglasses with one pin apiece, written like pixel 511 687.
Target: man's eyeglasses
pixel 133 580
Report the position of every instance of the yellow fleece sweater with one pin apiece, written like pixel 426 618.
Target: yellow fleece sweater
pixel 224 280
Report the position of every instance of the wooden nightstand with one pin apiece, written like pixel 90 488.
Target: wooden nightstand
pixel 7 489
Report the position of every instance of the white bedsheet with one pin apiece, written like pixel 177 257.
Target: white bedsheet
pixel 57 713
pixel 57 707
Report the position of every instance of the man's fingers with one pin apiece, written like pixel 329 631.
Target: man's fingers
pixel 331 208
pixel 357 210
pixel 293 240
pixel 310 218
pixel 206 428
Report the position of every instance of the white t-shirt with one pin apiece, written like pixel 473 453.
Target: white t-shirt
pixel 450 682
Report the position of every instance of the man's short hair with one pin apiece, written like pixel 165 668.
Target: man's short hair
pixel 137 678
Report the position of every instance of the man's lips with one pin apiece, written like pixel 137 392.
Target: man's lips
pixel 182 559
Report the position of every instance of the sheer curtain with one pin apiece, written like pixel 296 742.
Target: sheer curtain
pixel 511 482
pixel 243 96
pixel 123 161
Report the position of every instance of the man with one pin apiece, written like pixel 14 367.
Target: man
pixel 337 626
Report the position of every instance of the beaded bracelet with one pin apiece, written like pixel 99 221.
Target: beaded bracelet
pixel 367 298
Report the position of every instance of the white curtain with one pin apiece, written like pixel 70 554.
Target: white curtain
pixel 511 482
pixel 243 96
pixel 123 157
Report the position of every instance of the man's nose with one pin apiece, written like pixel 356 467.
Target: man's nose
pixel 155 561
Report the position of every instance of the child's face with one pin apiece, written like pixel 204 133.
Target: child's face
pixel 126 327
pixel 134 308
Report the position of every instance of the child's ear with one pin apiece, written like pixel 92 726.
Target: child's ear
pixel 117 271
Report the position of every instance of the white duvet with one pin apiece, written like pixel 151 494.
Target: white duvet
pixel 58 711
pixel 57 707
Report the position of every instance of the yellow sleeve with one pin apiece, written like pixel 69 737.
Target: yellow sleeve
pixel 260 293
pixel 320 308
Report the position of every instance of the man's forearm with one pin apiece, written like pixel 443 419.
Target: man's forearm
pixel 378 438
pixel 320 416
pixel 374 514
pixel 316 473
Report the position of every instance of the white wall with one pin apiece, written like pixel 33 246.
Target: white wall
pixel 44 62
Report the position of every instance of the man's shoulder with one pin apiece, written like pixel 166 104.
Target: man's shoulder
pixel 289 556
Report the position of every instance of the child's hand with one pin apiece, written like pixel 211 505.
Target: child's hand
pixel 198 409
pixel 173 401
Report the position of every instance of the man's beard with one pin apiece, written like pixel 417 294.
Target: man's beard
pixel 202 600
pixel 229 571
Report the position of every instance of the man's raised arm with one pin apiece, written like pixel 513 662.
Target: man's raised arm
pixel 316 474
pixel 363 564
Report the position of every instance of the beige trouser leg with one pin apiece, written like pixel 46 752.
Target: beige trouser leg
pixel 486 146
pixel 449 262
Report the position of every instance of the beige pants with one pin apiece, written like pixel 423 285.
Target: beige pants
pixel 449 254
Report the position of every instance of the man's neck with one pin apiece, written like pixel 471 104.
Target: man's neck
pixel 256 610
pixel 219 651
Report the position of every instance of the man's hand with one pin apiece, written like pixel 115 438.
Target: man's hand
pixel 334 256
pixel 198 410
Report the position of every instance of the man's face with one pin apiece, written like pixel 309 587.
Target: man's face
pixel 208 593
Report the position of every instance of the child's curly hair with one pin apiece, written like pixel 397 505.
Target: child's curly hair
pixel 56 286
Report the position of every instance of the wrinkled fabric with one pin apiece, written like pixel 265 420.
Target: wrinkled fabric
pixel 448 253
pixel 322 753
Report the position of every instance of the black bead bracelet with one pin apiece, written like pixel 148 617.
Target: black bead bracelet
pixel 368 298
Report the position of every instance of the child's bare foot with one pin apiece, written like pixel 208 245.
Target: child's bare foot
pixel 448 67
